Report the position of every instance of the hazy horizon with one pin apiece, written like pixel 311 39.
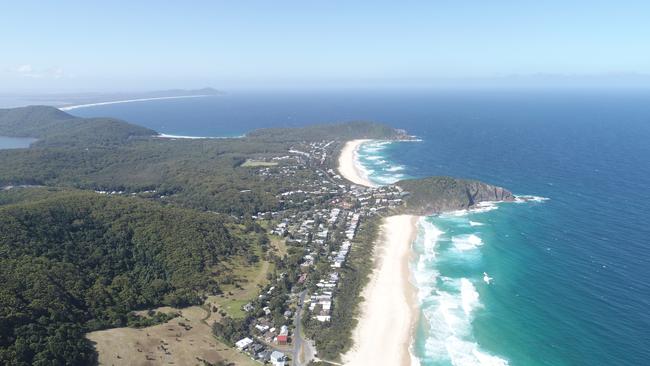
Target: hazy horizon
pixel 73 46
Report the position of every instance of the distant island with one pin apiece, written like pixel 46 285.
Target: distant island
pixel 123 247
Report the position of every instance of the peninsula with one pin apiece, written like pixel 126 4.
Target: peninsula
pixel 389 305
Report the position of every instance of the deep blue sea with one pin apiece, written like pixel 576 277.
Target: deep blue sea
pixel 570 276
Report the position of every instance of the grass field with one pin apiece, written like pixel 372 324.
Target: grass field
pixel 249 278
pixel 250 163
pixel 185 340
pixel 279 244
pixel 188 339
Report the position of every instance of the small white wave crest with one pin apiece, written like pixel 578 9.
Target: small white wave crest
pixel 530 198
pixel 466 242
pixel 449 315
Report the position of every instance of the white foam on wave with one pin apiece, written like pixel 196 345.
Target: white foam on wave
pixel 359 167
pixel 480 207
pixel 475 223
pixel 388 179
pixel 527 198
pixel 425 273
pixel 484 207
pixel 370 152
pixel 450 315
pixel 448 304
pixel 469 296
pixel 374 146
pixel 466 242
pixel 395 168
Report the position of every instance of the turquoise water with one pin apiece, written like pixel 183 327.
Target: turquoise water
pixel 15 142
pixel 450 272
pixel 571 275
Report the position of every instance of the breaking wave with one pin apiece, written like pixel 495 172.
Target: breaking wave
pixel 374 163
pixel 448 304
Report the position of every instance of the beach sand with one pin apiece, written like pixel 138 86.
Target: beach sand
pixel 71 107
pixel 348 167
pixel 388 313
pixel 384 333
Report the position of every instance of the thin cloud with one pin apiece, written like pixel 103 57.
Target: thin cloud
pixel 28 71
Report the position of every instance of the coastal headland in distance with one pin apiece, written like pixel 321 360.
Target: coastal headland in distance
pixel 384 333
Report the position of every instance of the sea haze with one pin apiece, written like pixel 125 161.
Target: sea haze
pixel 15 142
pixel 570 275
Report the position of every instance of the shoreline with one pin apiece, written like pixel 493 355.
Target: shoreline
pixel 384 333
pixel 348 165
pixel 385 330
pixel 71 107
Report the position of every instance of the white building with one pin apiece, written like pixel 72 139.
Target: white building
pixel 243 343
pixel 277 358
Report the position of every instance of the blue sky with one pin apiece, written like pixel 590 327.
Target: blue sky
pixel 141 45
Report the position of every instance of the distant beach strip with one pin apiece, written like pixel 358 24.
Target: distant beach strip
pixel 71 107
pixel 390 306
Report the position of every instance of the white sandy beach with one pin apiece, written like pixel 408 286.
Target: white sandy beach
pixel 71 107
pixel 388 312
pixel 348 167
pixel 384 333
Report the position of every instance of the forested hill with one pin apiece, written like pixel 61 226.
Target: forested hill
pixel 111 155
pixel 73 261
pixel 54 127
pixel 338 131
pixel 434 195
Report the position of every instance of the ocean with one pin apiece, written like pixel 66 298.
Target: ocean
pixel 15 142
pixel 569 275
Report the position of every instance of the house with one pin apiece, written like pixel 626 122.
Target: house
pixel 282 339
pixel 243 343
pixel 262 328
pixel 277 358
pixel 264 356
pixel 256 348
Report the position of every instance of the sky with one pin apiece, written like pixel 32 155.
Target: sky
pixel 145 45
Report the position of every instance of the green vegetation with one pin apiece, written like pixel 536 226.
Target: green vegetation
pixel 437 194
pixel 240 284
pixel 175 229
pixel 56 128
pixel 152 318
pixel 79 261
pixel 335 338
pixel 204 174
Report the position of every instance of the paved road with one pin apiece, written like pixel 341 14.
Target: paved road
pixel 303 350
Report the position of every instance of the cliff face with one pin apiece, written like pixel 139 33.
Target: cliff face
pixel 435 195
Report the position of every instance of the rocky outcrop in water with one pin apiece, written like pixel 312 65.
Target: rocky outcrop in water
pixel 434 195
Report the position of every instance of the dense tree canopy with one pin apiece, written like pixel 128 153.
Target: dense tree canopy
pixel 80 261
pixel 56 128
pixel 74 261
